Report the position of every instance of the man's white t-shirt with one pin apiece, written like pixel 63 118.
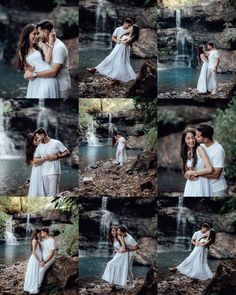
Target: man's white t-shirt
pixel 121 143
pixel 130 242
pixel 198 235
pixel 119 32
pixel 47 246
pixel 52 147
pixel 212 59
pixel 60 56
pixel 216 155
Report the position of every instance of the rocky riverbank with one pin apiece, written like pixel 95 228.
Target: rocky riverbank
pixel 136 178
pixel 61 278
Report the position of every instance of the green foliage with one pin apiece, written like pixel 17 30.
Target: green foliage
pixel 3 218
pixel 65 18
pixel 69 239
pixel 228 205
pixel 59 3
pixel 225 133
pixel 230 36
pixel 183 3
pixel 169 116
pixel 151 138
pixel 67 204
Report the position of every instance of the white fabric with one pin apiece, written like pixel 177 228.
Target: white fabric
pixel 195 265
pixel 197 235
pixel 212 80
pixel 41 87
pixel 117 64
pixel 121 156
pixel 116 271
pixel 43 270
pixel 219 194
pixel 200 187
pixel 32 273
pixel 64 94
pixel 47 246
pixel 212 59
pixel 205 83
pixel 130 242
pixel 60 56
pixel 216 155
pixel 51 185
pixel 36 188
pixel 52 147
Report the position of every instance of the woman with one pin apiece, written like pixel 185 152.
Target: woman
pixel 32 272
pixel 196 164
pixel 204 84
pixel 117 64
pixel 36 188
pixel 30 54
pixel 121 156
pixel 116 271
pixel 195 265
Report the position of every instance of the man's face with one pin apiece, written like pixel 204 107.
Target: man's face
pixel 43 234
pixel 209 47
pixel 119 232
pixel 43 34
pixel 199 137
pixel 204 230
pixel 40 138
pixel 126 25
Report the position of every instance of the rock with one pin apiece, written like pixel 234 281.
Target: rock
pixel 135 142
pixel 150 284
pixel 224 246
pixel 147 252
pixel 143 48
pixel 224 281
pixel 146 160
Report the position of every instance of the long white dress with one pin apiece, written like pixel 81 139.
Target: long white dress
pixel 41 87
pixel 116 271
pixel 121 156
pixel 200 187
pixel 204 84
pixel 117 64
pixel 36 188
pixel 32 273
pixel 195 265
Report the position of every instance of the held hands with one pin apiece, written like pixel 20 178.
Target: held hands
pixel 52 157
pixel 42 263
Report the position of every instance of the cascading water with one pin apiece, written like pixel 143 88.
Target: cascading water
pixel 42 119
pixel 102 39
pixel 184 44
pixel 110 129
pixel 28 226
pixel 2 48
pixel 91 137
pixel 181 240
pixel 7 147
pixel 9 235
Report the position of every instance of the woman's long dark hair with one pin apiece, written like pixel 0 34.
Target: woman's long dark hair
pixel 184 149
pixel 34 236
pixel 24 45
pixel 201 51
pixel 135 33
pixel 29 148
pixel 212 236
pixel 111 238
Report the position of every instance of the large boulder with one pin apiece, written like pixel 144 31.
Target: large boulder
pixel 224 246
pixel 147 252
pixel 146 46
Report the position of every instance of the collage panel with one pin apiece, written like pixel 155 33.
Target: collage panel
pixel 118 48
pixel 39 49
pixel 117 147
pixel 35 130
pixel 196 246
pixel 196 148
pixel 196 49
pixel 108 226
pixel 39 245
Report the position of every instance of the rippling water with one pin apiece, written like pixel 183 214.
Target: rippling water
pixel 10 254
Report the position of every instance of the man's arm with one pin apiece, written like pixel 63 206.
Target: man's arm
pixel 134 248
pixel 215 174
pixel 217 63
pixel 114 39
pixel 64 154
pixel 50 256
pixel 47 74
pixel 194 242
pixel 39 161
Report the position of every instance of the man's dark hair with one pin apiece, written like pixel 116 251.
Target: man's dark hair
pixel 40 130
pixel 211 44
pixel 123 228
pixel 45 25
pixel 206 130
pixel 45 230
pixel 206 225
pixel 128 20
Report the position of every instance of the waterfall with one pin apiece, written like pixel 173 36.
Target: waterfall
pixel 184 44
pixel 110 129
pixel 28 226
pixel 91 137
pixel 42 119
pixel 2 47
pixel 9 235
pixel 181 237
pixel 106 220
pixel 7 147
pixel 102 39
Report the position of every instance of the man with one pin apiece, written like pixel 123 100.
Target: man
pixel 131 246
pixel 60 62
pixel 48 154
pixel 216 155
pixel 121 156
pixel 213 63
pixel 48 254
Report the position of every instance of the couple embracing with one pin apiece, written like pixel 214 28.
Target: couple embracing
pixel 43 256
pixel 203 163
pixel 119 270
pixel 44 154
pixel 44 60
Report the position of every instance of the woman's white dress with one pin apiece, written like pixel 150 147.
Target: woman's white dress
pixel 200 187
pixel 36 188
pixel 41 87
pixel 32 273
pixel 116 271
pixel 117 64
pixel 204 84
pixel 121 156
pixel 195 265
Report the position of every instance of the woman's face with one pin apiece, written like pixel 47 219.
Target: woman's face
pixel 114 232
pixel 39 235
pixel 33 37
pixel 190 140
pixel 36 141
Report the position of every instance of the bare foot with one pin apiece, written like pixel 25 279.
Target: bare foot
pixel 91 70
pixel 173 269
